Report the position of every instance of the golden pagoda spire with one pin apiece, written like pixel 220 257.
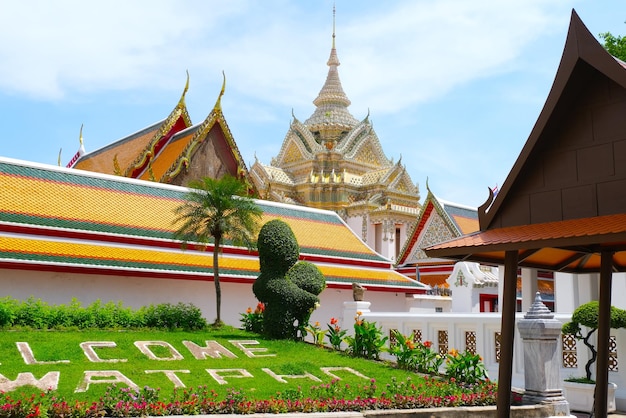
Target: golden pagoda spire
pixel 333 25
pixel 331 116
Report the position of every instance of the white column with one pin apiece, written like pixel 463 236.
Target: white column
pixel 529 287
pixel 566 295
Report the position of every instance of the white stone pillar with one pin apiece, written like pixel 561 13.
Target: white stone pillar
pixel 540 335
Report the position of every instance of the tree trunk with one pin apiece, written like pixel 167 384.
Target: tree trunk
pixel 594 354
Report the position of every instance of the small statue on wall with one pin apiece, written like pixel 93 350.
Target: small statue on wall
pixel 357 292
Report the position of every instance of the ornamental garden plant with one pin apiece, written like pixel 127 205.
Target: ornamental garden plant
pixel 287 287
pixel 587 315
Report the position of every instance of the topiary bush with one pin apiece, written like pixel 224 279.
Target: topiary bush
pixel 587 315
pixel 289 288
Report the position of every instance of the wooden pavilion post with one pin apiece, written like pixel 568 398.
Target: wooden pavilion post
pixel 604 328
pixel 507 334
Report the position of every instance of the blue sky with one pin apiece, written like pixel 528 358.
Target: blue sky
pixel 453 87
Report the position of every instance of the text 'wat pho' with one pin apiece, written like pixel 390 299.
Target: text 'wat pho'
pixel 334 161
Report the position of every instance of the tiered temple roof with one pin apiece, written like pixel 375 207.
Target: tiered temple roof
pixel 438 221
pixel 66 220
pixel 334 161
pixel 172 150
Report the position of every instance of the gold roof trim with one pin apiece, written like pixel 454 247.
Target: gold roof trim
pixel 216 116
pixel 116 166
pixel 148 152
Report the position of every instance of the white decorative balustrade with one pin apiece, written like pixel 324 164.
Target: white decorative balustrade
pixel 480 333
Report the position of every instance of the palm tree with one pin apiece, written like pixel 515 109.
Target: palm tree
pixel 218 209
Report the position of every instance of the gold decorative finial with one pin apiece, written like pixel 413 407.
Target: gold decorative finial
pixel 218 104
pixel 80 135
pixel 181 102
pixel 59 159
pixel 117 170
pixel 333 25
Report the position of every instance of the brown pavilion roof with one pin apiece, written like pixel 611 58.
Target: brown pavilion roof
pixel 563 205
pixel 567 189
pixel 569 246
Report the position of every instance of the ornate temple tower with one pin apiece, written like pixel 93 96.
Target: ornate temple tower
pixel 333 161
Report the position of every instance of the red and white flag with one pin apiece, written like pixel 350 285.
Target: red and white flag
pixel 79 153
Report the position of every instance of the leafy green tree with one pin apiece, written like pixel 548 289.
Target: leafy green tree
pixel 218 209
pixel 587 315
pixel 615 45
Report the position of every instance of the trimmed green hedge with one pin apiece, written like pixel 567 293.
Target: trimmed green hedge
pixel 34 313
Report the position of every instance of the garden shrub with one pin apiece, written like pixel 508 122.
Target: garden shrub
pixel 34 313
pixel 179 316
pixel 368 340
pixel 587 315
pixel 287 287
pixel 6 315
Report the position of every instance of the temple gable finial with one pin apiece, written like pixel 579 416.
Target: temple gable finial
pixel 218 104
pixel 181 101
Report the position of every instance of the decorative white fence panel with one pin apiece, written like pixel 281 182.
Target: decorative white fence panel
pixel 449 331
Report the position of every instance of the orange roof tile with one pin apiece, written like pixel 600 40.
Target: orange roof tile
pixel 169 154
pixel 125 149
pixel 52 217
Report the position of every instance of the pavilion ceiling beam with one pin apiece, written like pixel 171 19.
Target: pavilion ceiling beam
pixel 523 255
pixel 573 258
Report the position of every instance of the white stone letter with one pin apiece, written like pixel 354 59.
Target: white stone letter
pixel 100 376
pixel 241 344
pixel 281 378
pixel 49 381
pixel 215 374
pixel 328 371
pixel 93 357
pixel 212 349
pixel 171 375
pixel 29 357
pixel 143 347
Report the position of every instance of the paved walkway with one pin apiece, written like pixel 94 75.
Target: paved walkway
pixel 616 414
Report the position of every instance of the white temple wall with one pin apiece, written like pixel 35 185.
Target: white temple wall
pixel 135 292
pixel 60 288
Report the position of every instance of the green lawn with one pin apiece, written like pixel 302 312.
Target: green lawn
pixel 241 360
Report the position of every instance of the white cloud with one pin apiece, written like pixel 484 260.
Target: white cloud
pixel 393 56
